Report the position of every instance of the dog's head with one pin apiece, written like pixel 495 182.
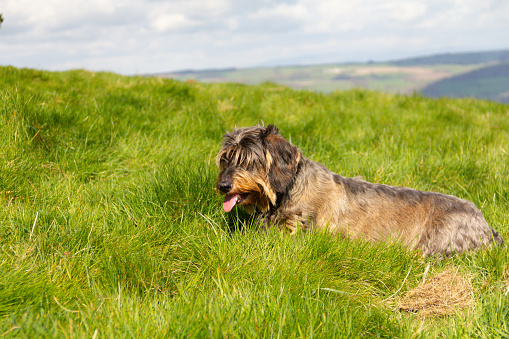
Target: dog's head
pixel 255 165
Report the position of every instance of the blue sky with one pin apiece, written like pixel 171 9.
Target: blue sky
pixel 150 36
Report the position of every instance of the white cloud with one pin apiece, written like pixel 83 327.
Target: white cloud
pixel 295 11
pixel 406 12
pixel 150 35
pixel 53 14
pixel 169 22
pixel 184 16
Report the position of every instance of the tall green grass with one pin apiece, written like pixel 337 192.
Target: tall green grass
pixel 110 227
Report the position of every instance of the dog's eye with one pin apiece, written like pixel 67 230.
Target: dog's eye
pixel 223 160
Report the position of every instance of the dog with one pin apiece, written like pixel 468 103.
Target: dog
pixel 264 173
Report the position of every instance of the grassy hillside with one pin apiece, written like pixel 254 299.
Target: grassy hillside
pixel 400 77
pixel 329 78
pixel 110 227
pixel 491 82
pixel 457 59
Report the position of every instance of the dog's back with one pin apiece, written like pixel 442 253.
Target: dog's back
pixel 433 222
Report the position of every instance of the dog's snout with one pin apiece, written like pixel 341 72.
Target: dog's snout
pixel 224 186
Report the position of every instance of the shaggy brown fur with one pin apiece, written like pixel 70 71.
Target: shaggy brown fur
pixel 263 172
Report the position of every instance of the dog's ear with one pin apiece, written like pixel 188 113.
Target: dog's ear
pixel 271 129
pixel 282 158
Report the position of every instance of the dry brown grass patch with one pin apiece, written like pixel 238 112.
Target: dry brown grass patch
pixel 445 294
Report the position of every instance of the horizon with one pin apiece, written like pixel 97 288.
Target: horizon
pixel 353 62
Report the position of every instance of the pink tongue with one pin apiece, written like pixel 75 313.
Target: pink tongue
pixel 229 202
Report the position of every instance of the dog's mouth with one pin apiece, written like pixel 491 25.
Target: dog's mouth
pixel 231 200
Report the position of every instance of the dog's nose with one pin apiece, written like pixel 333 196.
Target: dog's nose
pixel 224 186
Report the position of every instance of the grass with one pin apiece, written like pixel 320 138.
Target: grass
pixel 110 227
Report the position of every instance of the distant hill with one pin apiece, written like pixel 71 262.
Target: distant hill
pixel 478 74
pixel 491 82
pixel 456 59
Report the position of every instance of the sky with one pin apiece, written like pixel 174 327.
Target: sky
pixel 155 36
